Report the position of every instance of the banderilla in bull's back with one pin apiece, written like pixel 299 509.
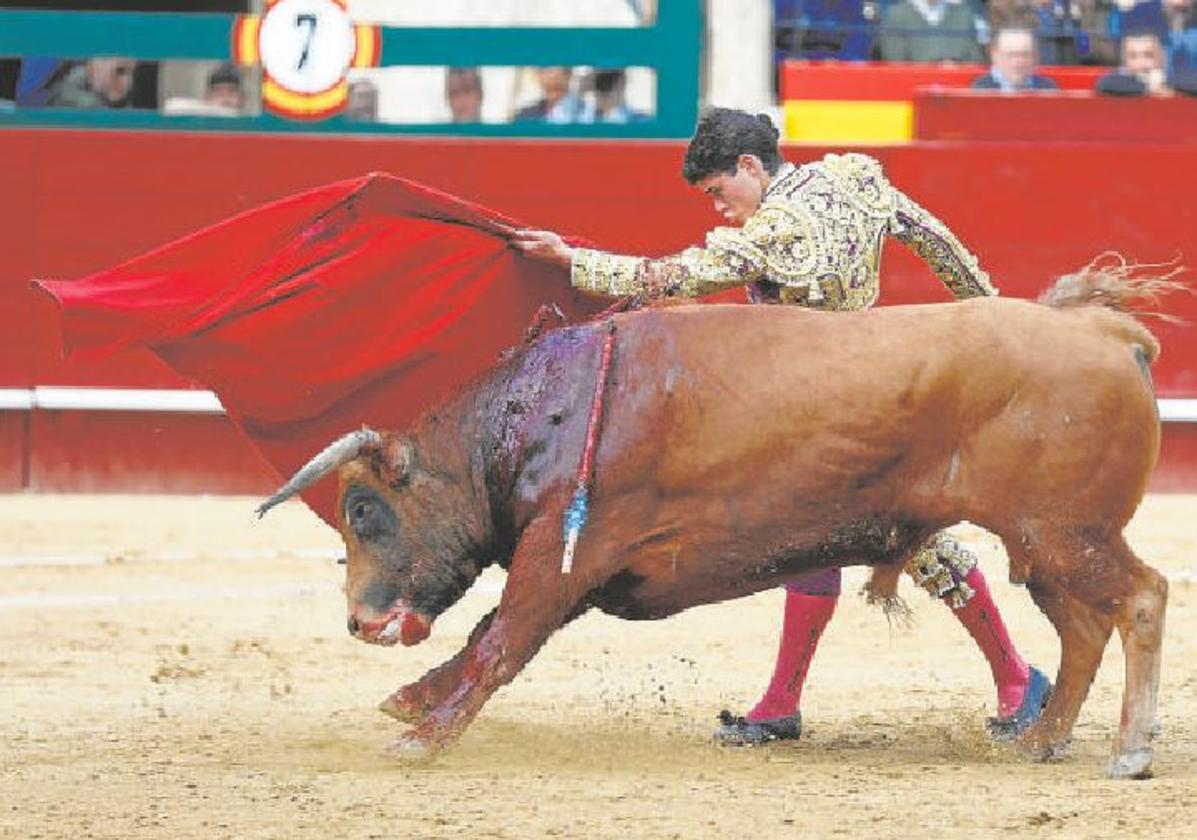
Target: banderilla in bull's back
pixel 741 446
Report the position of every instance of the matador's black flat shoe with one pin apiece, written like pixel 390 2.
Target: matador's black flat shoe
pixel 736 731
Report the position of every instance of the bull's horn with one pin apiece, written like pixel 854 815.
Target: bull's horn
pixel 341 451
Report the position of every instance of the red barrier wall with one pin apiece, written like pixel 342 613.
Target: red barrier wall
pixel 973 116
pixel 78 201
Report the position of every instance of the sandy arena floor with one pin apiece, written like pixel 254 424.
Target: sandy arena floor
pixel 170 668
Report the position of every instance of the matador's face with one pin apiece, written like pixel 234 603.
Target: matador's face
pixel 737 194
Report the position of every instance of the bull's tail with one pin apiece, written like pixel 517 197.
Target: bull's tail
pixel 1109 280
pixel 1133 289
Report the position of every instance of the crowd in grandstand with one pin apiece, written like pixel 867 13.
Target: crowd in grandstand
pixel 1067 31
pixel 1150 46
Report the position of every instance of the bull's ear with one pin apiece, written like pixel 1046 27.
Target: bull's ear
pixel 395 460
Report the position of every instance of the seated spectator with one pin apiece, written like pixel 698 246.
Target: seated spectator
pixel 1142 71
pixel 1181 44
pixel 930 30
pixel 609 104
pixel 224 89
pixel 1012 63
pixel 840 29
pixel 557 103
pixel 463 94
pixel 222 96
pixel 96 83
pixel 1068 31
pixel 361 103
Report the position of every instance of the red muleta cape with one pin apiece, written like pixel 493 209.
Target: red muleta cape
pixel 361 302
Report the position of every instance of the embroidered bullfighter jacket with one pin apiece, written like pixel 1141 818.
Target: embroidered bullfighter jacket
pixel 816 241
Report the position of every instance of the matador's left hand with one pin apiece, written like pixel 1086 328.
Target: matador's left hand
pixel 544 245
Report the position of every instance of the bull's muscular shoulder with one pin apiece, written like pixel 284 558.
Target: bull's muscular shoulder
pixel 862 180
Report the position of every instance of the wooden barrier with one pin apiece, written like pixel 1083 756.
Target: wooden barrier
pixel 1075 116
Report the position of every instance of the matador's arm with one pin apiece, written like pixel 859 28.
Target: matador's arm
pixel 731 256
pixel 930 238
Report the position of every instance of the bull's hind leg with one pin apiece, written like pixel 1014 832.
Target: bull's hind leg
pixel 1140 619
pixel 1087 585
pixel 1083 634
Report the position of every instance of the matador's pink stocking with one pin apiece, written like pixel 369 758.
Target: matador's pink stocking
pixel 984 623
pixel 806 616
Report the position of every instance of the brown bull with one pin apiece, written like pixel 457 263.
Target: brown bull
pixel 744 445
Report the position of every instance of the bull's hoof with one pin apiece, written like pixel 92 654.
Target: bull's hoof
pixel 412 748
pixel 1039 689
pixel 735 731
pixel 1044 752
pixel 1135 764
pixel 401 709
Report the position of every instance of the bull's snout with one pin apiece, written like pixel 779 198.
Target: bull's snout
pixel 399 625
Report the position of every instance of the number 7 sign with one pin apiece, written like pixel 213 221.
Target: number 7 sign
pixel 306 48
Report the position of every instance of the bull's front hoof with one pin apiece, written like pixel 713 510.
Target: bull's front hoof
pixel 402 709
pixel 412 748
pixel 1135 764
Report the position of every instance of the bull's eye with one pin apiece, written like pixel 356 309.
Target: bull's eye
pixel 368 515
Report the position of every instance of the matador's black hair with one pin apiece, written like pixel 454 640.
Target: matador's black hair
pixel 722 135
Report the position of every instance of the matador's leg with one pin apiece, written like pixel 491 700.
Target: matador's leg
pixel 949 572
pixel 810 602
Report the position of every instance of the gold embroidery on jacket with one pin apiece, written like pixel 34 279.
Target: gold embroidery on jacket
pixel 818 235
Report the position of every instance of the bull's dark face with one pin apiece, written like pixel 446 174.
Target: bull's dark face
pixel 415 533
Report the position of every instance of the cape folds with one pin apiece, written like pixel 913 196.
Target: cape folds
pixel 360 302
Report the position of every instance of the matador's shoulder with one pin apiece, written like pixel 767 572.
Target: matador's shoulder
pixel 782 235
pixel 862 178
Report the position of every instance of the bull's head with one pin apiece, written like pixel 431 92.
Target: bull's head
pixel 414 532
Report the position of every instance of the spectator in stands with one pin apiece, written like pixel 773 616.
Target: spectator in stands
pixel 361 104
pixel 1068 31
pixel 1142 71
pixel 463 94
pixel 1012 63
pixel 557 103
pixel 609 103
pixel 222 96
pixel 841 29
pixel 224 89
pixel 96 83
pixel 1174 23
pixel 930 30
